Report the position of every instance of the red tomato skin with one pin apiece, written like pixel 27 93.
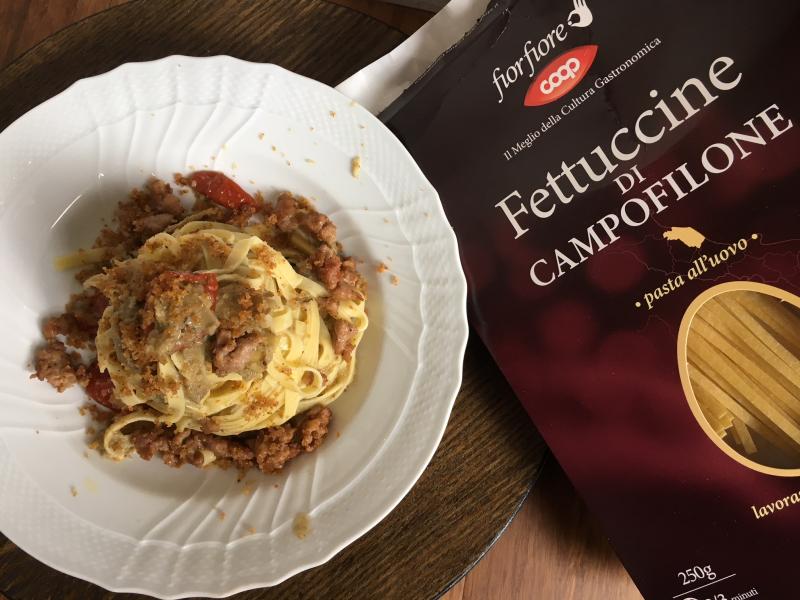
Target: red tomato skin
pixel 100 387
pixel 221 189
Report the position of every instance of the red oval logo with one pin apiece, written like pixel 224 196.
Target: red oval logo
pixel 561 75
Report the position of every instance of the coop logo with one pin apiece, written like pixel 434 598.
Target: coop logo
pixel 560 75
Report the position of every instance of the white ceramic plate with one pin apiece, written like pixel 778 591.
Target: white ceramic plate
pixel 141 526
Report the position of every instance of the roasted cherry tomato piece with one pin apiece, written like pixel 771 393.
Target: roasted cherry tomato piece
pixel 221 189
pixel 100 387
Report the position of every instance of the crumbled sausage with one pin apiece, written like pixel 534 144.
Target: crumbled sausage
pixel 269 450
pixel 274 448
pixel 224 447
pixel 329 305
pixel 345 291
pixel 143 214
pixel 296 221
pixel 286 212
pixel 161 198
pixel 343 333
pixel 152 224
pixel 290 213
pixel 58 366
pixel 147 443
pixel 314 427
pixel 223 346
pixel 232 354
pixel 321 227
pixel 186 447
pixel 328 266
pixel 78 323
pixel 338 276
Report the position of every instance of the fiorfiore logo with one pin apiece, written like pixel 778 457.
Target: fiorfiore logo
pixel 560 75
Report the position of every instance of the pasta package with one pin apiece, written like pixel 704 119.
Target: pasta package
pixel 623 178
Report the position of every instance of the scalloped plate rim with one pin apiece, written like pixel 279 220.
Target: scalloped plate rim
pixel 462 333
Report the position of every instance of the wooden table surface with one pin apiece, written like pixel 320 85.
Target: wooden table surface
pixel 552 550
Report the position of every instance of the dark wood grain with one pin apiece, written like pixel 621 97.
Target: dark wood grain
pixel 27 22
pixel 553 550
pixel 490 454
pixel 403 18
pixel 318 39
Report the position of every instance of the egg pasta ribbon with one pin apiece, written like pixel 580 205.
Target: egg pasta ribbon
pixel 291 364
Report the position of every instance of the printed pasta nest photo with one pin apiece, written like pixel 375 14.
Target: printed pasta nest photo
pixel 743 369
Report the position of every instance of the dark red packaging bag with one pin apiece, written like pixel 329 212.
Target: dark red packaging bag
pixel 623 181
